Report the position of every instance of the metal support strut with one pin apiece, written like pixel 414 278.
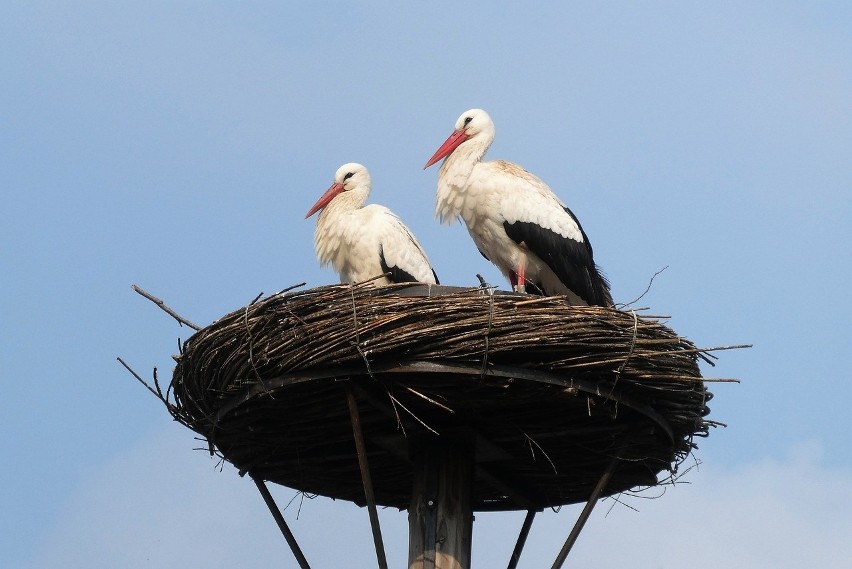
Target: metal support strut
pixel 522 539
pixel 282 525
pixel 366 479
pixel 587 510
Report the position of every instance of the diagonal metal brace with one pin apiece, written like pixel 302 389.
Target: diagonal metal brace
pixel 279 519
pixel 522 539
pixel 366 479
pixel 587 510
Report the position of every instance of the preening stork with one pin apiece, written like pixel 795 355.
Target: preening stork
pixel 514 218
pixel 365 242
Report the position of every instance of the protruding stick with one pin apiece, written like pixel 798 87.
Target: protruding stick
pixel 165 308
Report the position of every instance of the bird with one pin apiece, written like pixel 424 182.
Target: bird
pixel 514 218
pixel 363 242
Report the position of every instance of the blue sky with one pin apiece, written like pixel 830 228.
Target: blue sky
pixel 177 145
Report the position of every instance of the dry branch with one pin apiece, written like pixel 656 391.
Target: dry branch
pixel 166 309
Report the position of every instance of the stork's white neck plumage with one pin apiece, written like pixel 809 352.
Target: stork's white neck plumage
pixel 459 165
pixel 329 234
pixel 345 202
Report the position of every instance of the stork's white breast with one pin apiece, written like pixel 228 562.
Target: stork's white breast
pixel 504 192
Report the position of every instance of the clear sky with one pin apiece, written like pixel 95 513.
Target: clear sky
pixel 178 145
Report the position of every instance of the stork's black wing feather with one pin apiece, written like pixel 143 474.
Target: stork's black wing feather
pixel 397 275
pixel 571 260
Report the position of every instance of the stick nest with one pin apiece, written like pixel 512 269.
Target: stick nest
pixel 547 392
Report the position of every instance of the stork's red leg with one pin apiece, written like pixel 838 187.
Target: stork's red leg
pixel 521 285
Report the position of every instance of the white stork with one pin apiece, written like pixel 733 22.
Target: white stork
pixel 365 242
pixel 514 218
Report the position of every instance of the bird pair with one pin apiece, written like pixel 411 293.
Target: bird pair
pixel 515 220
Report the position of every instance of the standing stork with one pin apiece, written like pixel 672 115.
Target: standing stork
pixel 514 218
pixel 364 242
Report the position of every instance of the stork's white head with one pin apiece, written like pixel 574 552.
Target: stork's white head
pixel 348 177
pixel 473 124
pixel 475 121
pixel 352 175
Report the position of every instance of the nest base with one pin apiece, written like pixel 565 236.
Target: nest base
pixel 546 392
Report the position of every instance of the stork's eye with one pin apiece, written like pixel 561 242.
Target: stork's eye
pixel 467 120
pixel 347 176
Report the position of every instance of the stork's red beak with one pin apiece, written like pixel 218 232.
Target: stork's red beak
pixel 449 145
pixel 325 198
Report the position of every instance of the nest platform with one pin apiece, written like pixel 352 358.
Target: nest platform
pixel 546 392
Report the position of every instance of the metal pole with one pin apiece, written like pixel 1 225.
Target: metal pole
pixel 522 539
pixel 282 525
pixel 584 515
pixel 366 479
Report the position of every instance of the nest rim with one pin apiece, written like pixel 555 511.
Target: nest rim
pixel 252 405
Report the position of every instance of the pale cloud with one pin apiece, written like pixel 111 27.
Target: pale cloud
pixel 162 505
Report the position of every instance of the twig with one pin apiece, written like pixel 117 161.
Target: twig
pixel 618 500
pixel 157 384
pixel 371 279
pixel 181 320
pixel 415 417
pixel 620 369
pixel 138 378
pixel 632 344
pixel 429 399
pixel 651 282
pixel 399 424
pixel 394 400
pixel 721 348
pixel 487 332
pixel 251 349
pixel 357 334
pixel 157 393
pixel 539 300
pixel 291 287
pixel 532 442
